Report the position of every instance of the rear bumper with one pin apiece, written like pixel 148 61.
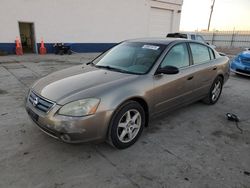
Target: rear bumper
pixel 71 129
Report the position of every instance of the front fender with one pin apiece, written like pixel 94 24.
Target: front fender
pixel 141 88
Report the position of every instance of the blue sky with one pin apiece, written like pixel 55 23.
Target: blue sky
pixel 227 15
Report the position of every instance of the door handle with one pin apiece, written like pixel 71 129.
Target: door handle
pixel 190 78
pixel 214 68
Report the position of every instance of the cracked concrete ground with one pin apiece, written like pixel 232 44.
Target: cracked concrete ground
pixel 192 147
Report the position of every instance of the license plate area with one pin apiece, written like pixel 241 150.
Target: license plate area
pixel 33 115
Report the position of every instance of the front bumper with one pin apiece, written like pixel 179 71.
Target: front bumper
pixel 240 68
pixel 70 129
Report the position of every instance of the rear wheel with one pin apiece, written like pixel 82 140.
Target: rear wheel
pixel 127 125
pixel 214 92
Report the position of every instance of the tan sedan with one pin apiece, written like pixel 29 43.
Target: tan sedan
pixel 113 97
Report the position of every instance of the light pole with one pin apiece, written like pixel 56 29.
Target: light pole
pixel 212 9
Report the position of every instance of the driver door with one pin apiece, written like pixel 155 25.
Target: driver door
pixel 174 90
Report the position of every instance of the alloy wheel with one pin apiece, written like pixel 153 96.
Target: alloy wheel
pixel 216 90
pixel 129 125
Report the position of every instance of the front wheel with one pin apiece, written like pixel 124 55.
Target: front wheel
pixel 214 92
pixel 126 125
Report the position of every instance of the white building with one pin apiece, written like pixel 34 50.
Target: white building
pixel 88 25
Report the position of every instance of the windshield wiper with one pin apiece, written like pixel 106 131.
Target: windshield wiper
pixel 90 63
pixel 112 68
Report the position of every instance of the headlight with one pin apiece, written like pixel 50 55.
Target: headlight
pixel 82 107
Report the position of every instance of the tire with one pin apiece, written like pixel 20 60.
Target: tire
pixel 124 131
pixel 214 94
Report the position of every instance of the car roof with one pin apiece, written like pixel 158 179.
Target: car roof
pixel 164 41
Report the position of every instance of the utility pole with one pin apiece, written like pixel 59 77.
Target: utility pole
pixel 212 9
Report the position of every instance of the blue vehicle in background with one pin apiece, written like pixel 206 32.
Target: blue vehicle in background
pixel 241 63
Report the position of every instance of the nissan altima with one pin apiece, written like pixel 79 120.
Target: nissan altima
pixel 113 97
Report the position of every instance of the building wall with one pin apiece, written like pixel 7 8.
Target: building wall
pixel 83 22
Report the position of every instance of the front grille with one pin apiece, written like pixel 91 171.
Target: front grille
pixel 40 103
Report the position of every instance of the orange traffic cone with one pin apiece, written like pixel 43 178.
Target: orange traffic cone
pixel 42 48
pixel 19 49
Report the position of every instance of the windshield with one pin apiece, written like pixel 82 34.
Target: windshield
pixel 130 57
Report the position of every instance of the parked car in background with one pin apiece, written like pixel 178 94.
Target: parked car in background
pixel 113 97
pixel 241 63
pixel 190 36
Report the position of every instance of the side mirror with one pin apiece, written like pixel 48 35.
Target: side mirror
pixel 167 70
pixel 207 43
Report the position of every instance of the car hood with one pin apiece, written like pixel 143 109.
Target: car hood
pixel 245 54
pixel 65 83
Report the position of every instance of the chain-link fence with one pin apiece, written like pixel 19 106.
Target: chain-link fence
pixel 230 39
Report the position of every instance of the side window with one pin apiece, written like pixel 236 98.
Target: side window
pixel 211 53
pixel 200 53
pixel 177 56
pixel 193 37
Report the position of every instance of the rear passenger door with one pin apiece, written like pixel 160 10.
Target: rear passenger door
pixel 203 67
